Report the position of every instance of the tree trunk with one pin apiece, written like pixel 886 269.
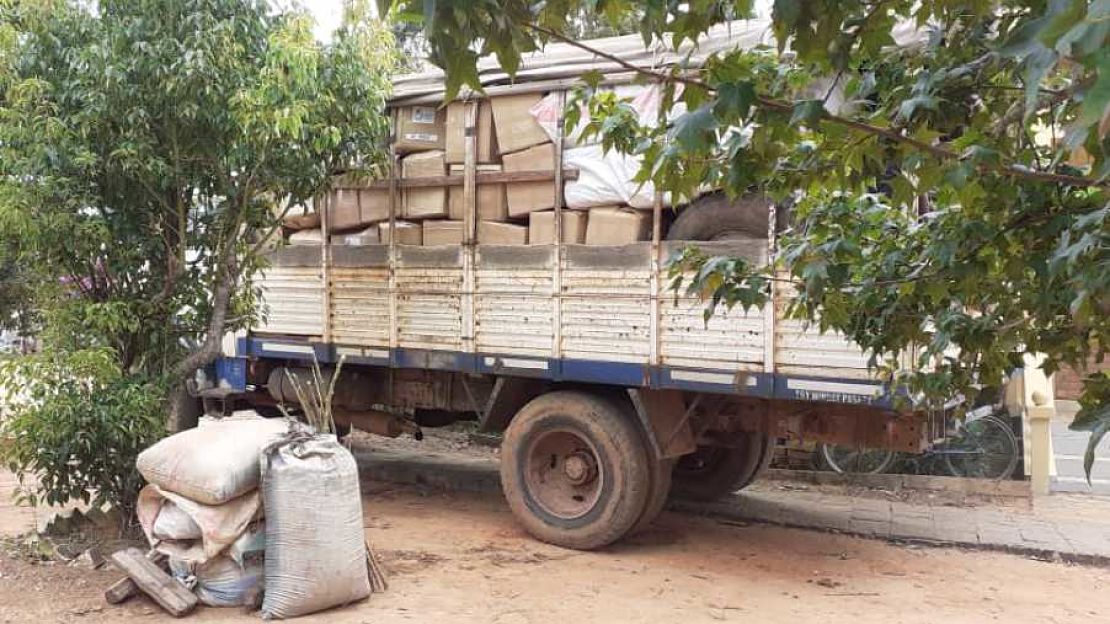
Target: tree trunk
pixel 182 415
pixel 184 410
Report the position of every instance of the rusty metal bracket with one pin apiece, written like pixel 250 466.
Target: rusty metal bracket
pixel 666 420
pixel 473 401
pixel 685 419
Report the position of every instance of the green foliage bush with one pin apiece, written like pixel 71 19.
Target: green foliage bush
pixel 148 151
pixel 75 425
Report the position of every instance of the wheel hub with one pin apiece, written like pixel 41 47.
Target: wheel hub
pixel 580 467
pixel 563 474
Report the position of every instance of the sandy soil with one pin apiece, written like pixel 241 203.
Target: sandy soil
pixel 461 558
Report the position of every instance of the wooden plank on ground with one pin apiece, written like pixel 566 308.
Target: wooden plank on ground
pixel 172 596
pixel 123 589
pixel 120 591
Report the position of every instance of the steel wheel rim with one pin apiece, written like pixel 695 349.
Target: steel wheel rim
pixel 564 474
pixel 985 449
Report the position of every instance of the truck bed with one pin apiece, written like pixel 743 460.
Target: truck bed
pixel 567 312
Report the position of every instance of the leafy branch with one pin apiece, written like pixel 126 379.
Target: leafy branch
pixel 821 115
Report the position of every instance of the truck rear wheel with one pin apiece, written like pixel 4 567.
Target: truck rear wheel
pixel 715 471
pixel 575 470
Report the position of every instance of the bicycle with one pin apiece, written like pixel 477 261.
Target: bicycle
pixel 982 446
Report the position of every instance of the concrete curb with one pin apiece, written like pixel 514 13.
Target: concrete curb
pixel 732 508
pixel 1010 488
pixel 481 476
pixel 445 473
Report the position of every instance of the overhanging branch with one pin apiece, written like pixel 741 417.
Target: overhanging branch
pixel 937 151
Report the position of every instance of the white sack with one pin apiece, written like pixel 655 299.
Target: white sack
pixel 220 525
pixel 315 550
pixel 307 237
pixel 606 180
pixel 174 524
pixel 211 464
pixel 368 236
pixel 221 582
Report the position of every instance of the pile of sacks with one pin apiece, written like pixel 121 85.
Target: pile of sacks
pixel 256 511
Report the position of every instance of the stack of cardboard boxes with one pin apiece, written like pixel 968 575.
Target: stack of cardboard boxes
pixel 431 141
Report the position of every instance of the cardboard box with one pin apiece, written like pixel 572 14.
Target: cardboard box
pixel 514 124
pixel 420 128
pixel 617 226
pixel 443 233
pixel 407 233
pixel 351 208
pixel 541 227
pixel 485 137
pixel 307 221
pixel 430 202
pixel 492 205
pixel 496 233
pixel 526 197
pixel 369 236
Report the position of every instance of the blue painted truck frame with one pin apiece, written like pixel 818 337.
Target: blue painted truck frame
pixel 750 384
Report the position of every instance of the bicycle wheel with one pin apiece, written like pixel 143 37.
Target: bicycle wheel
pixel 984 448
pixel 853 460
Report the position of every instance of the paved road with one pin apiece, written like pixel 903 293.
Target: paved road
pixel 1069 448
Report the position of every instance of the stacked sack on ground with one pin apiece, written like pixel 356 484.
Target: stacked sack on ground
pixel 253 511
pixel 514 133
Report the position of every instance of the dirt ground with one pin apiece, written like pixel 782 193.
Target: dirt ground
pixel 461 558
pixel 459 442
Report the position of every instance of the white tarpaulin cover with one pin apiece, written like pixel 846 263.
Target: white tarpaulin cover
pixel 561 62
pixel 644 99
pixel 564 61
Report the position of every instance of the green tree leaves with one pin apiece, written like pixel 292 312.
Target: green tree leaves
pixel 77 423
pixel 147 145
pixel 949 162
pixel 148 149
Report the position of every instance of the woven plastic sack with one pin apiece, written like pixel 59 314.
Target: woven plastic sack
pixel 315 549
pixel 221 582
pixel 173 523
pixel 220 525
pixel 212 463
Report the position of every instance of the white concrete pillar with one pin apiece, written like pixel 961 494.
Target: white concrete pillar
pixel 1040 415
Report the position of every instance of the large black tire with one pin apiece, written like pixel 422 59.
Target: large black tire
pixel 715 471
pixel 575 470
pixel 662 478
pixel 716 217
